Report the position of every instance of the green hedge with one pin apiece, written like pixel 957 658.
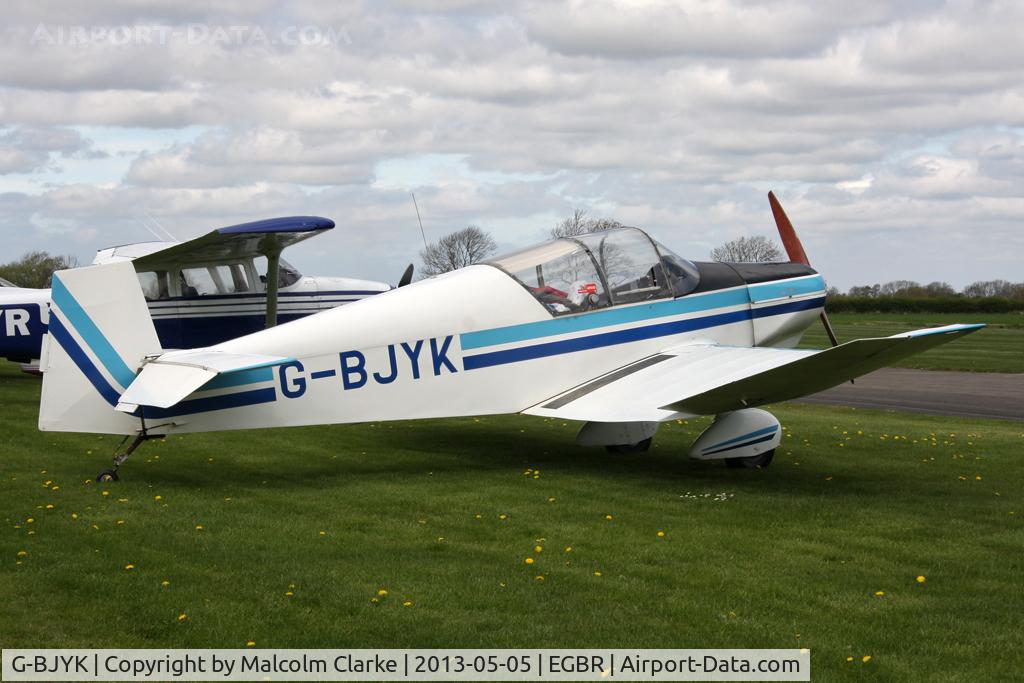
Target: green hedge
pixel 867 304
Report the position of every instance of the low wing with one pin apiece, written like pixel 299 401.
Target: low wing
pixel 706 379
pixel 168 379
pixel 238 241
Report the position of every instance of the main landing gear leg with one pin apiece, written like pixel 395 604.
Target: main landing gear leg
pixel 110 474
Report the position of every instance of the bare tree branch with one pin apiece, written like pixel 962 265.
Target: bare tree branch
pixel 748 250
pixel 456 250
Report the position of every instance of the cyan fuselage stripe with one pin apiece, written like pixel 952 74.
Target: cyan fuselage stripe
pixel 606 318
pixel 694 303
pixel 91 334
pixel 235 379
pixel 75 352
pixel 199 405
pixel 483 360
pixel 777 289
pixel 759 432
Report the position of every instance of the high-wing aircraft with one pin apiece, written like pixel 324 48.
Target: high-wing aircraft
pixel 225 284
pixel 611 329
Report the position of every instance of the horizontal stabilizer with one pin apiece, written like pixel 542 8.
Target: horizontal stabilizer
pixel 707 379
pixel 170 378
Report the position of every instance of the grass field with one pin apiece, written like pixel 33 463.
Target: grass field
pixel 997 348
pixel 285 538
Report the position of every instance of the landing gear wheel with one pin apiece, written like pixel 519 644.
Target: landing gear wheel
pixel 638 447
pixel 752 462
pixel 107 475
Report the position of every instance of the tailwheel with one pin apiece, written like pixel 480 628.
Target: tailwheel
pixel 752 462
pixel 107 475
pixel 638 447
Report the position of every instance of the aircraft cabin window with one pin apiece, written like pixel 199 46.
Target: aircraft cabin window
pixel 287 274
pixel 683 276
pixel 561 274
pixel 198 282
pixel 154 285
pixel 608 268
pixel 630 263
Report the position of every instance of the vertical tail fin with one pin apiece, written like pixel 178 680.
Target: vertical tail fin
pixel 99 332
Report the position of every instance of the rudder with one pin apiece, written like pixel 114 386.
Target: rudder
pixel 99 332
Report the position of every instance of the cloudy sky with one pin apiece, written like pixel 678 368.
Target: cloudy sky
pixel 893 132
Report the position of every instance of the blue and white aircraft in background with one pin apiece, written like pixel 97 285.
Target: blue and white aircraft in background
pixel 611 329
pixel 204 291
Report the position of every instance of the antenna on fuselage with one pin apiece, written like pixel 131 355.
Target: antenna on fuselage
pixel 419 220
pixel 148 222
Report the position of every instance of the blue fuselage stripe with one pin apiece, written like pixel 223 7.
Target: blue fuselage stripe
pixel 695 303
pixel 595 341
pixel 75 352
pixel 606 318
pixel 211 403
pixel 91 335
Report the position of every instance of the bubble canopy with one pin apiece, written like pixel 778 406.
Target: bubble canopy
pixel 599 269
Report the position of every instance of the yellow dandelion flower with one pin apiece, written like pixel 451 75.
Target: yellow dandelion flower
pixel 551 500
pixel 920 579
pixel 477 516
pixel 290 594
pixel 502 517
pixel 539 577
pixel 250 643
pixel 49 506
pixel 849 659
pixel 22 553
pixel 538 548
pixel 866 659
pixel 375 601
pixel 382 593
pixel 182 617
pixel 74 515
pixel 528 560
pixel 609 517
pixel 661 534
pixel 568 549
pixel 407 603
pixel 129 567
pixel 30 520
pixel 120 521
pixel 879 594
pixel 597 573
pixel 158 498
pixel 165 584
pixel 106 493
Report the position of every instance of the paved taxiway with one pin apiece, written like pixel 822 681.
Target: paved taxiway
pixel 970 394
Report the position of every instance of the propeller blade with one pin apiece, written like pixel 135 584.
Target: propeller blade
pixel 796 253
pixel 790 241
pixel 406 276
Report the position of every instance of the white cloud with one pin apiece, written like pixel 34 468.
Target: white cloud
pixel 889 130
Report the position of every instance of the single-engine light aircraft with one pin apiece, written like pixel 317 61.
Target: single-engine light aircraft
pixel 611 329
pixel 225 284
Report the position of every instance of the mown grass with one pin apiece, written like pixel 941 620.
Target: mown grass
pixel 997 348
pixel 443 514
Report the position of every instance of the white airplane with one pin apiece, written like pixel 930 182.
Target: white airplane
pixel 203 291
pixel 611 329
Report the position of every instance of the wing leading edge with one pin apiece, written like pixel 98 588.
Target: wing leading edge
pixel 706 379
